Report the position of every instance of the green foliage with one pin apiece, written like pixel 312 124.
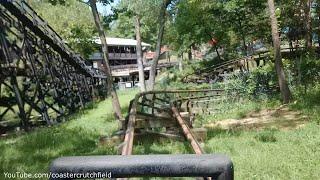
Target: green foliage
pixel 258 82
pixel 266 136
pixel 235 108
pixel 241 114
pixel 281 159
pixel 148 11
pixel 310 66
pixel 232 23
pixel 262 80
pixel 172 79
pixel 72 20
pixel 308 101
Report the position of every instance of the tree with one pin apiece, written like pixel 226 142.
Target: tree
pixel 75 26
pixel 285 91
pixel 308 24
pixel 111 89
pixel 124 25
pixel 162 21
pixel 139 54
pixel 135 10
pixel 138 16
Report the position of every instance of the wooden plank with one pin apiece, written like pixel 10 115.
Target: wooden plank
pixel 150 121
pixel 200 134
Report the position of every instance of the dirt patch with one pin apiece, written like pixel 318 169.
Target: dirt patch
pixel 279 118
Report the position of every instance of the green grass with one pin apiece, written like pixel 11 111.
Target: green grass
pixel 291 154
pixel 265 154
pixel 308 102
pixel 236 110
pixel 34 151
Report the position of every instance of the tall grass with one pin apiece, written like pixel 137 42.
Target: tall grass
pixel 265 154
pixel 308 101
pixel 34 151
pixel 291 154
pixel 235 109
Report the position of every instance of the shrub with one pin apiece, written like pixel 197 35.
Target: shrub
pixel 266 136
pixel 262 80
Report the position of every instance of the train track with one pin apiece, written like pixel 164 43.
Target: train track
pixel 151 111
pixel 170 109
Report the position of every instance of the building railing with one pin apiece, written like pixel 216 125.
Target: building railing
pixel 114 56
pixel 122 55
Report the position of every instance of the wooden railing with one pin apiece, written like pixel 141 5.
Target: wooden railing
pixel 122 56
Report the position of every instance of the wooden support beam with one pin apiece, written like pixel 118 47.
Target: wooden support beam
pixel 145 120
pixel 129 134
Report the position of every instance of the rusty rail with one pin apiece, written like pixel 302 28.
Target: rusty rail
pixel 148 103
pixel 187 132
pixel 152 102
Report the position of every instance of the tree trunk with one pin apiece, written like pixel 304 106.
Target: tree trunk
pixel 243 37
pixel 285 91
pixel 162 19
pixel 318 29
pixel 139 55
pixel 218 54
pixel 180 58
pixel 190 53
pixel 308 25
pixel 111 89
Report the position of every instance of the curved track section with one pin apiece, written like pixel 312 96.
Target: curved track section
pixel 164 109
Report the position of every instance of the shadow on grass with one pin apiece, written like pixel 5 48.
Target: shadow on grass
pixel 217 132
pixel 309 103
pixel 153 144
pixel 34 152
pixel 308 100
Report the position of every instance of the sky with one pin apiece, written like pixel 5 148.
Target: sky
pixel 105 10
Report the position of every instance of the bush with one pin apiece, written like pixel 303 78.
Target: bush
pixel 262 80
pixel 310 73
pixel 259 82
pixel 266 136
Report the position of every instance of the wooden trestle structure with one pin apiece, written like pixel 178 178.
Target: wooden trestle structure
pixel 41 78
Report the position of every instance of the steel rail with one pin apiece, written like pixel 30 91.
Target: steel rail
pixel 187 131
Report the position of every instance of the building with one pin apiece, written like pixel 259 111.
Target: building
pixel 164 54
pixel 122 60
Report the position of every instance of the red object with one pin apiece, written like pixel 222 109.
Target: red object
pixel 150 55
pixel 213 42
